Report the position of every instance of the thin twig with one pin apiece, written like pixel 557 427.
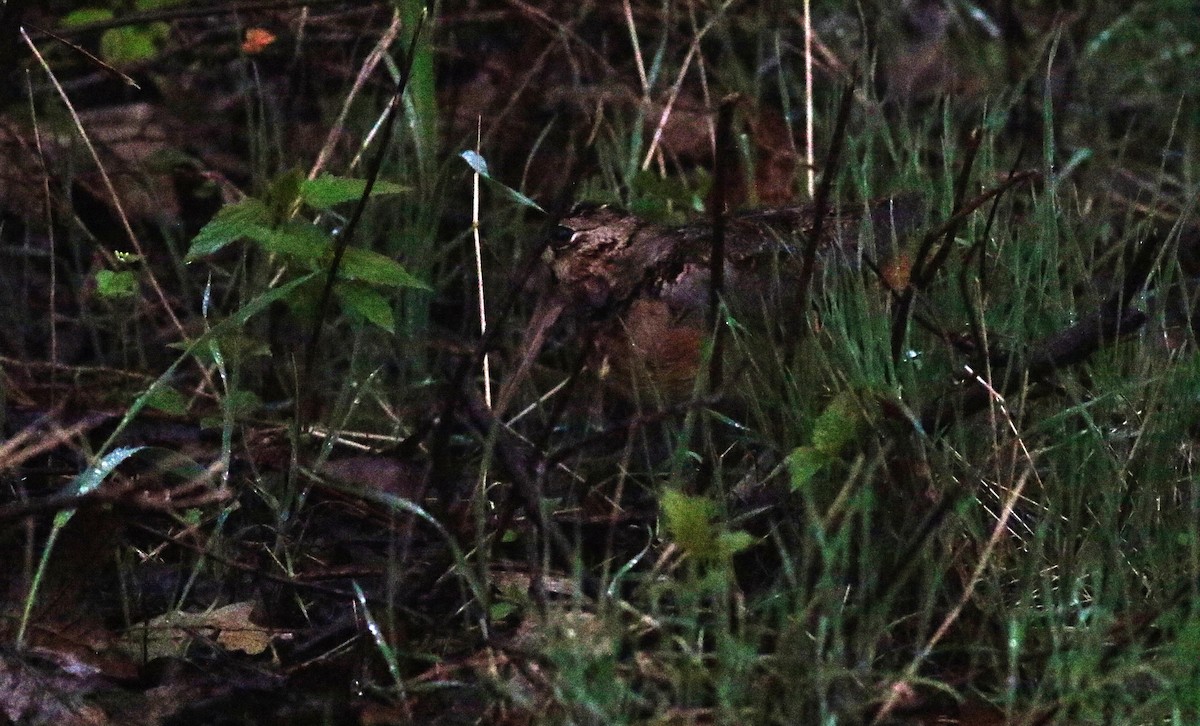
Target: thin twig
pixel 809 147
pixel 115 199
pixel 1070 346
pixel 998 531
pixel 34 440
pixel 821 198
pixel 932 264
pixel 974 315
pixel 637 49
pixel 722 160
pixel 527 470
pixel 693 49
pixel 104 66
pixel 926 262
pixel 360 81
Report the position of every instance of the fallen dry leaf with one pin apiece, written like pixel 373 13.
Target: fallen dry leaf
pixel 170 634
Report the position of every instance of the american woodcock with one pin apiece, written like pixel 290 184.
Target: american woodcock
pixel 647 285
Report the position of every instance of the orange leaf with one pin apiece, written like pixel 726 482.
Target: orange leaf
pixel 257 40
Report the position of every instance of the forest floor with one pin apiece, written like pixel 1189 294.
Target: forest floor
pixel 288 436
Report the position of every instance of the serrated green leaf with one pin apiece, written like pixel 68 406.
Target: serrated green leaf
pixel 114 284
pixel 368 304
pixel 302 241
pixel 247 218
pixel 370 266
pixel 689 521
pixel 327 190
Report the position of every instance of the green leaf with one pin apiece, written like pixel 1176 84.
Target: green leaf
pixel 689 521
pixel 133 43
pixel 479 164
pixel 247 218
pixel 243 403
pixel 501 610
pixel 370 266
pixel 838 425
pixel 302 241
pixel 282 192
pixel 421 95
pixel 90 479
pixel 803 464
pixel 87 482
pixel 112 284
pixel 84 16
pixel 168 400
pixel 368 304
pixel 730 543
pixel 327 190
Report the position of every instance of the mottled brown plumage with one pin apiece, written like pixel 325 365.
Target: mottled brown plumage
pixel 647 285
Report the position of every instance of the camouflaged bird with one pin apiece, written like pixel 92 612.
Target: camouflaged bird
pixel 647 285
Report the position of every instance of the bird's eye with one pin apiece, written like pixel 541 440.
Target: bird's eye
pixel 561 238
